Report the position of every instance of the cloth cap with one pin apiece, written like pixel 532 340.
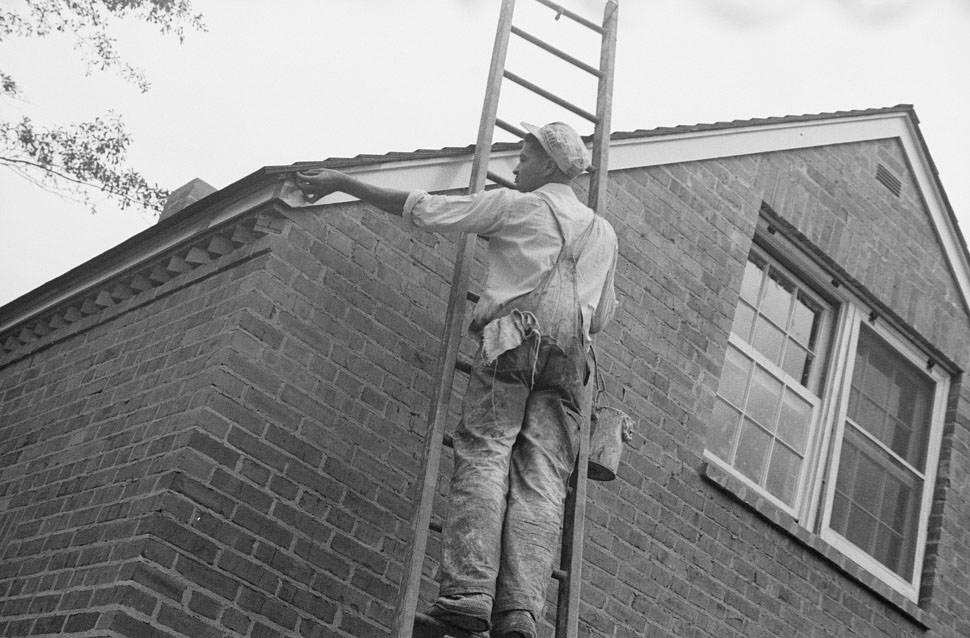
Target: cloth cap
pixel 563 144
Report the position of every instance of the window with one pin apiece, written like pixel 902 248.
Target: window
pixel 768 399
pixel 833 417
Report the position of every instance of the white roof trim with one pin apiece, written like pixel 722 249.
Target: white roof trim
pixel 96 278
pixel 449 173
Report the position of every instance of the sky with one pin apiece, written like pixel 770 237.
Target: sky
pixel 294 80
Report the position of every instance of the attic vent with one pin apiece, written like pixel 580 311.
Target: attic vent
pixel 887 179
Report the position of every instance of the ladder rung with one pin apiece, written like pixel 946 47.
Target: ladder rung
pixel 572 16
pixel 498 179
pixel 550 96
pixel 560 574
pixel 463 364
pixel 447 440
pixel 514 130
pixel 559 53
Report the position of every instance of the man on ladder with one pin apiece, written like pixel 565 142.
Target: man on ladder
pixel 549 287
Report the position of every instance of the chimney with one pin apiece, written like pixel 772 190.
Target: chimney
pixel 181 197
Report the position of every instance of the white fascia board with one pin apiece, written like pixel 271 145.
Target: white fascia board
pixel 437 174
pixel 160 245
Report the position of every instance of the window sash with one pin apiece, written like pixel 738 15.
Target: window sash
pixel 843 429
pixel 780 452
pixel 779 445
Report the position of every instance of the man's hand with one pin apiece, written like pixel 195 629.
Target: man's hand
pixel 316 183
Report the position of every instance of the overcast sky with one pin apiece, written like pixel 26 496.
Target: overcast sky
pixel 292 80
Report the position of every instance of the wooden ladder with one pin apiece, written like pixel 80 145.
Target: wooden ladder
pixel 408 623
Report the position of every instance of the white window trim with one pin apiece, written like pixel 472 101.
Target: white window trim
pixel 813 502
pixel 806 395
pixel 909 588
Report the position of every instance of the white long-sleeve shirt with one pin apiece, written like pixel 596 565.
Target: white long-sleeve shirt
pixel 524 242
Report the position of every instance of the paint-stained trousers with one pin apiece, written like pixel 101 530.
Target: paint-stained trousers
pixel 514 451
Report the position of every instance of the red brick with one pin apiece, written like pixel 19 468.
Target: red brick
pixel 77 623
pixel 127 626
pixel 186 539
pixel 158 581
pixel 204 605
pixel 262 526
pixel 184 624
pixel 269 608
pixel 249 571
pixel 213 449
pixel 207 578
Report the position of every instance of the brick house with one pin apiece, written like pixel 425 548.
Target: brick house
pixel 213 429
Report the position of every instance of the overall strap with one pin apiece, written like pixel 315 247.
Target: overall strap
pixel 574 248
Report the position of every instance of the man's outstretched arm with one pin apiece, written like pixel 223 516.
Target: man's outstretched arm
pixel 320 182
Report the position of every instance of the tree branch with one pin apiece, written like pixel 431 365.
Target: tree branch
pixel 47 169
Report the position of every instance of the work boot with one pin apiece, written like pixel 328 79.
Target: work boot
pixel 469 612
pixel 516 623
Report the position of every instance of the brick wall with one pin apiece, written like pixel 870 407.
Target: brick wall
pixel 233 454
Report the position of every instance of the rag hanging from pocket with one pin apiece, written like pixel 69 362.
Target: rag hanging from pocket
pixel 507 332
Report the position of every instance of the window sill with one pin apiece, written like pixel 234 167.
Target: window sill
pixel 783 521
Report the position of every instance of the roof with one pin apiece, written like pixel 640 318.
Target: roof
pixel 450 168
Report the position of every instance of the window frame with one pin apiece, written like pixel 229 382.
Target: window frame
pixel 823 513
pixel 850 309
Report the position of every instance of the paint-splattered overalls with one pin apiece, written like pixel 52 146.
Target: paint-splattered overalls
pixel 517 444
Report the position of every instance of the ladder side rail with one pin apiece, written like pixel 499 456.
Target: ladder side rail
pixel 407 601
pixel 573 535
pixel 604 109
pixel 567 618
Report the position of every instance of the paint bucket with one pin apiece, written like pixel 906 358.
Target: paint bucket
pixel 609 430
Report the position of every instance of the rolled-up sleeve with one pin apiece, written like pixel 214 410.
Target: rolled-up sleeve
pixel 482 213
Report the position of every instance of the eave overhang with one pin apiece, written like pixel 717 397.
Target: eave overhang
pixel 450 170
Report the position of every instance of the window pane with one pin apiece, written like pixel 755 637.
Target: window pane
pixel 895 504
pixel 777 299
pixel 763 398
pixel 804 321
pixel 878 371
pixel 723 429
pixel 797 362
pixel 862 527
pixel 840 513
pixel 752 451
pixel 734 376
pixel 908 430
pixel 751 284
pixel 871 416
pixel 768 339
pixel 877 503
pixel 783 473
pixel 794 422
pixel 891 398
pixel 867 486
pixel 889 547
pixel 743 319
pixel 900 437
